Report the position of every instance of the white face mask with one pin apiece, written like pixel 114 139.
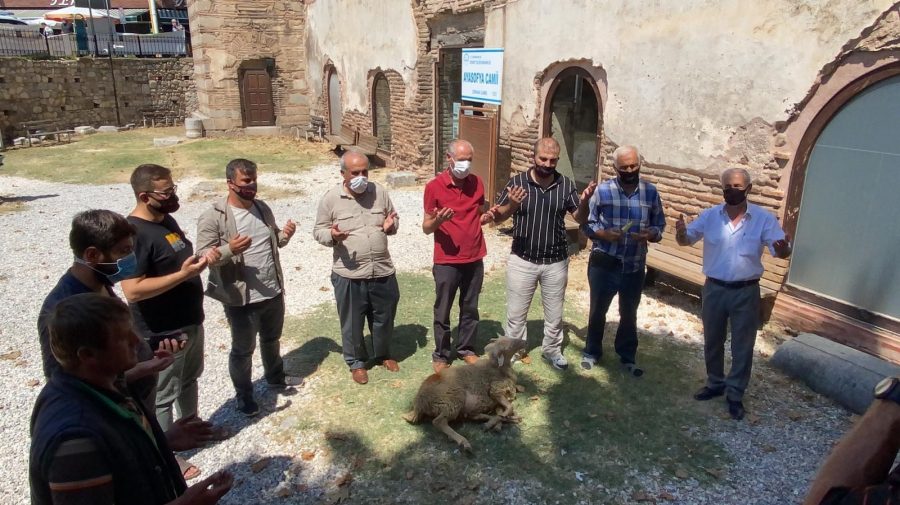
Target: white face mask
pixel 461 168
pixel 359 183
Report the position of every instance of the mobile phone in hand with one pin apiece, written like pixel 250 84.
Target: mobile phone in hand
pixel 155 339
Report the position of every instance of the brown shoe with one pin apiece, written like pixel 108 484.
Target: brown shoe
pixel 438 366
pixel 391 365
pixel 470 359
pixel 523 357
pixel 360 376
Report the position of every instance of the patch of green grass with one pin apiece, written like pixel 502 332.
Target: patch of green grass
pixel 110 158
pixel 601 423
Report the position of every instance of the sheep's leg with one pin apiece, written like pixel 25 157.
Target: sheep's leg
pixel 440 422
pixel 506 404
pixel 490 422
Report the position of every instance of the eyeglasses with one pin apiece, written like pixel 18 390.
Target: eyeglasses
pixel 167 193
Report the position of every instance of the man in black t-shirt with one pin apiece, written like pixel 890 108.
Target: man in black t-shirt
pixel 166 294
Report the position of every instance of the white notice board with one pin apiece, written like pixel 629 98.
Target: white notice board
pixel 482 75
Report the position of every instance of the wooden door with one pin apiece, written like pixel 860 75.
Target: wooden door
pixel 256 98
pixel 482 131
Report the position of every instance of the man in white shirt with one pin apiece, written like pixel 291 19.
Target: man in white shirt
pixel 734 234
pixel 247 279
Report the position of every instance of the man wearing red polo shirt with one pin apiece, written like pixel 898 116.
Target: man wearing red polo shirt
pixel 454 212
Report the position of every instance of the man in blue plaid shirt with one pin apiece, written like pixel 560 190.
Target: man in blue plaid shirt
pixel 625 214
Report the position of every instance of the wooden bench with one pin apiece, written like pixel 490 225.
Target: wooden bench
pixel 38 129
pixel 684 265
pixel 346 138
pixel 365 144
pixel 316 128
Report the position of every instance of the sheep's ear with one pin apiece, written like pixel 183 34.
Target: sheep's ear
pixel 500 359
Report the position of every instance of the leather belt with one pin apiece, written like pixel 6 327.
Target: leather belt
pixel 733 284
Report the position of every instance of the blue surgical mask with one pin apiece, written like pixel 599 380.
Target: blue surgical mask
pixel 126 267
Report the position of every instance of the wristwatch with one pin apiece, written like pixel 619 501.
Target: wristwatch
pixel 888 389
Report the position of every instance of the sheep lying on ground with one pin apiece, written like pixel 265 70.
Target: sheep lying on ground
pixel 482 391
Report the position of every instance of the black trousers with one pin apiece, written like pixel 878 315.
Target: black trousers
pixel 361 300
pixel 466 278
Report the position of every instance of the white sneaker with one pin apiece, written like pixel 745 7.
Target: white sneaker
pixel 558 362
pixel 588 362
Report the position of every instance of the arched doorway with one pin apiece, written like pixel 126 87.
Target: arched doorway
pixel 572 115
pixel 334 100
pixel 846 231
pixel 381 111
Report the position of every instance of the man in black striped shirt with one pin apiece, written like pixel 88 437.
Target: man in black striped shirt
pixel 538 201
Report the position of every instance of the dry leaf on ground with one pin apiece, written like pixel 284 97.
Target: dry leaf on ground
pixel 641 496
pixel 260 465
pixel 344 479
pixel 11 355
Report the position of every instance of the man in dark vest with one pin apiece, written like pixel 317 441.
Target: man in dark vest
pixel 92 442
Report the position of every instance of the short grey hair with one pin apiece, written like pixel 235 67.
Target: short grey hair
pixel 743 171
pixel 625 149
pixel 353 153
pixel 454 145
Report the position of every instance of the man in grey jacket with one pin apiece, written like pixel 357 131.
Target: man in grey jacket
pixel 247 279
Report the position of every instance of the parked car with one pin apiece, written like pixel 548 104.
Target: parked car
pixel 11 20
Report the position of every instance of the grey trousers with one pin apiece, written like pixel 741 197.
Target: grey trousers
pixel 177 384
pixel 522 279
pixel 366 300
pixel 740 307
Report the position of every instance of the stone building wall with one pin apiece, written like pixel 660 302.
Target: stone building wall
pixel 228 35
pixel 80 92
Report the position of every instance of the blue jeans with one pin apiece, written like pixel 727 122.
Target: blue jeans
pixel 606 280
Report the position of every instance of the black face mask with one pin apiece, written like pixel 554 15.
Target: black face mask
pixel 167 206
pixel 629 177
pixel 247 192
pixel 734 196
pixel 544 171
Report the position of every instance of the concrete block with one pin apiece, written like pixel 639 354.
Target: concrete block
pixel 841 373
pixel 85 130
pixel 108 129
pixel 401 179
pixel 166 141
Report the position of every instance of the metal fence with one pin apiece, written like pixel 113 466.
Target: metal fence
pixel 33 43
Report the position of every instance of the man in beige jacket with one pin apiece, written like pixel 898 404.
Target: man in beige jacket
pixel 355 219
pixel 247 279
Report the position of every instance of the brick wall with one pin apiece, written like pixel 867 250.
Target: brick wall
pixel 227 34
pixel 80 92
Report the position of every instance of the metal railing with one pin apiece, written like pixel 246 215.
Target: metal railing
pixel 33 43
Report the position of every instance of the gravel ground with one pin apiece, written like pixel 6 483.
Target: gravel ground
pixel 775 452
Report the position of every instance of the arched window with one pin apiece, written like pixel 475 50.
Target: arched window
pixel 847 233
pixel 572 116
pixel 381 111
pixel 333 84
